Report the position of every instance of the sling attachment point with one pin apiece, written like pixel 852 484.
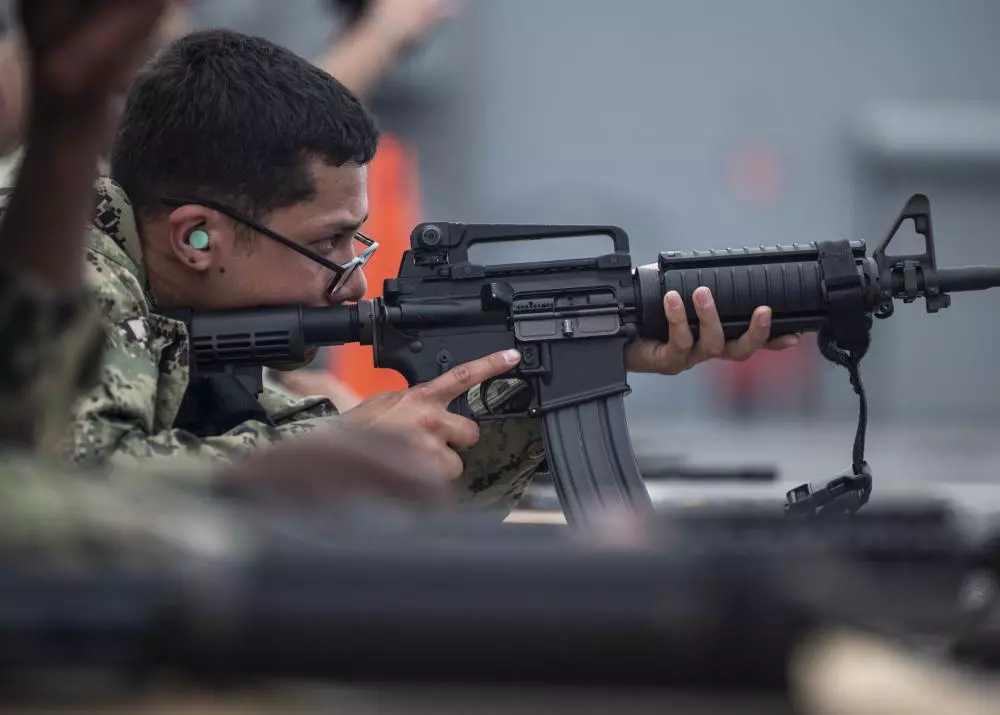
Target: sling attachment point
pixel 844 340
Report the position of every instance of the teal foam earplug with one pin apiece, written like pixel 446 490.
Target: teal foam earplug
pixel 198 239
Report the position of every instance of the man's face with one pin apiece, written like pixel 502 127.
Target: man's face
pixel 243 268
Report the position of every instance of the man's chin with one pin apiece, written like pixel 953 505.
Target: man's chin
pixel 290 366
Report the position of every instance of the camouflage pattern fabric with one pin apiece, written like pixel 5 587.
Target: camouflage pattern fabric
pixel 69 516
pixel 128 419
pixel 50 352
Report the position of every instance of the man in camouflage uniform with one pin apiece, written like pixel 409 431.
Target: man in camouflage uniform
pixel 239 180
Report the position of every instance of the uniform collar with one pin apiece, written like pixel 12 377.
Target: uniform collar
pixel 115 217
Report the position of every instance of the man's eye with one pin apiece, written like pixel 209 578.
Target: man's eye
pixel 327 245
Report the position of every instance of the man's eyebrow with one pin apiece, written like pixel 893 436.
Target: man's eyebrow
pixel 346 226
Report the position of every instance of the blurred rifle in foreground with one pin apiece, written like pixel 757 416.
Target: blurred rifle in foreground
pixel 695 602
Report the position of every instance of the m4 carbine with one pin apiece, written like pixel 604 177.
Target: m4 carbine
pixel 571 319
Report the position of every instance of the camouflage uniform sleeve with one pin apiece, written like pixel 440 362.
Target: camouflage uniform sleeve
pixel 128 418
pixel 51 350
pixel 57 509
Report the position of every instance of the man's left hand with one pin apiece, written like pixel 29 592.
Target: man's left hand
pixel 681 352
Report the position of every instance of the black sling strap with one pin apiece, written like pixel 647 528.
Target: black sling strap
pixel 214 404
pixel 844 340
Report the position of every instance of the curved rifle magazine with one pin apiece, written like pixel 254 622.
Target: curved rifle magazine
pixel 591 460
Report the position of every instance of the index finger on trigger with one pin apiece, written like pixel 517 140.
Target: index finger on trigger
pixel 461 378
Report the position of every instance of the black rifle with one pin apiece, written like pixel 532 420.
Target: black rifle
pixel 571 319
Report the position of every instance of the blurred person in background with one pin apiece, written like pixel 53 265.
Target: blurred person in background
pixel 365 44
pixel 375 36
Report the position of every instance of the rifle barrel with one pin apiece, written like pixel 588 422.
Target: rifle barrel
pixel 949 280
pixel 969 278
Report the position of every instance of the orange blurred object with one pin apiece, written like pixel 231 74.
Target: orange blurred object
pixel 789 374
pixel 394 201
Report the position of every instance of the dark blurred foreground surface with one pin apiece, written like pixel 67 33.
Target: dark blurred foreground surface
pixel 215 609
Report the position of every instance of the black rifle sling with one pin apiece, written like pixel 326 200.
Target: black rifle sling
pixel 216 403
pixel 844 340
pixel 591 461
pixel 846 337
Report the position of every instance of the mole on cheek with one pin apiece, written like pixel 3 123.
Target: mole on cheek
pixel 222 270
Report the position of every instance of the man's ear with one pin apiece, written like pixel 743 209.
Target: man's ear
pixel 198 237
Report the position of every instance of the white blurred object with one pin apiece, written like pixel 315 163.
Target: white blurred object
pixel 848 673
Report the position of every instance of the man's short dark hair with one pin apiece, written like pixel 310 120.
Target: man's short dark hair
pixel 225 116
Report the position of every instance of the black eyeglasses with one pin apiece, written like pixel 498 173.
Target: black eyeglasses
pixel 343 271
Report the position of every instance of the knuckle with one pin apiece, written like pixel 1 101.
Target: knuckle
pixel 683 343
pixel 715 348
pixel 427 418
pixel 416 393
pixel 463 374
pixel 676 316
pixel 662 358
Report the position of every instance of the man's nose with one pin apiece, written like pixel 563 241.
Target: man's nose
pixel 353 289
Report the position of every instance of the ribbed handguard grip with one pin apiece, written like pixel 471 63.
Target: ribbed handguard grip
pixel 738 290
pixel 788 279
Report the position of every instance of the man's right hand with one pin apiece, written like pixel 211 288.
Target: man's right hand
pixel 81 51
pixel 422 412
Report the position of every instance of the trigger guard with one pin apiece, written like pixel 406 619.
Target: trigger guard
pixel 460 406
